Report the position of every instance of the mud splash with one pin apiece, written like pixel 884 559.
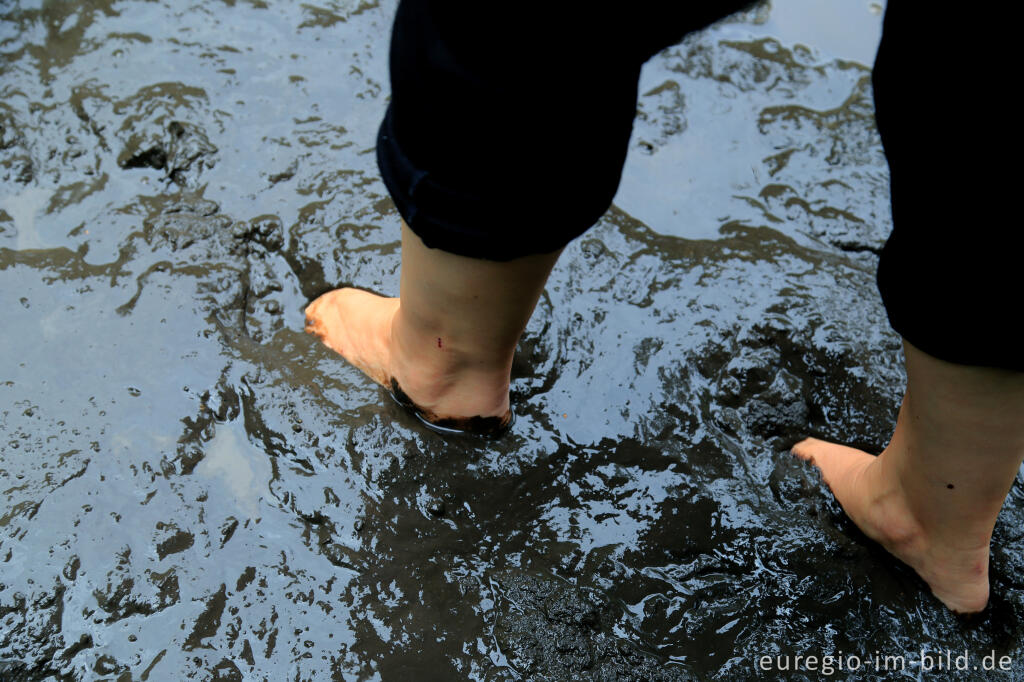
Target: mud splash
pixel 193 487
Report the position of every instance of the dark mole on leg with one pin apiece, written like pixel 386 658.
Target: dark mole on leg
pixel 949 485
pixel 439 342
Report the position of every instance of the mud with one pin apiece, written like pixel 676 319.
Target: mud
pixel 477 426
pixel 193 487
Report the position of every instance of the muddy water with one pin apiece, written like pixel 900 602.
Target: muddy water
pixel 195 488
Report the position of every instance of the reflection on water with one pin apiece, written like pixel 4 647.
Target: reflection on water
pixel 23 209
pixel 233 463
pixel 840 29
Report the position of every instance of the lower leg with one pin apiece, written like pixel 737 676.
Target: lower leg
pixel 932 497
pixel 449 339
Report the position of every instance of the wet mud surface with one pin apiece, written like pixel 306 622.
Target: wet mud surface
pixel 194 488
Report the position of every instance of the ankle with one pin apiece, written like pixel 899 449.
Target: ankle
pixel 444 376
pixel 453 391
pixel 949 538
pixel 890 510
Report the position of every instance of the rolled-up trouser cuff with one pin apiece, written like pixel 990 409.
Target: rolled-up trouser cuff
pixel 507 130
pixel 958 305
pixel 474 224
pixel 951 274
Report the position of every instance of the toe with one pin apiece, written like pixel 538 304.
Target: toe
pixel 805 449
pixel 820 452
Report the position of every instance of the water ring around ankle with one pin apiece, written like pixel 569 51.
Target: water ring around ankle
pixel 481 427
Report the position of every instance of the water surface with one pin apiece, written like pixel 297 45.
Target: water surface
pixel 193 487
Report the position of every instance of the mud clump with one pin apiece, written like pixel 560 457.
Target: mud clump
pixel 181 150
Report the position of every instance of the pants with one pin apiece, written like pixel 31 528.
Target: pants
pixel 496 112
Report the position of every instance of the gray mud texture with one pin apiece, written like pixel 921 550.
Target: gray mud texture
pixel 193 488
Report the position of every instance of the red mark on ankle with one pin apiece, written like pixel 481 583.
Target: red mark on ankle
pixel 439 342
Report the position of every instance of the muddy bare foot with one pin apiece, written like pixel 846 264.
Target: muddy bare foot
pixel 955 570
pixel 430 380
pixel 357 325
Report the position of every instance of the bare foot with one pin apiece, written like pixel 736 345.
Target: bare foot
pixel 434 382
pixel 357 325
pixel 955 570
